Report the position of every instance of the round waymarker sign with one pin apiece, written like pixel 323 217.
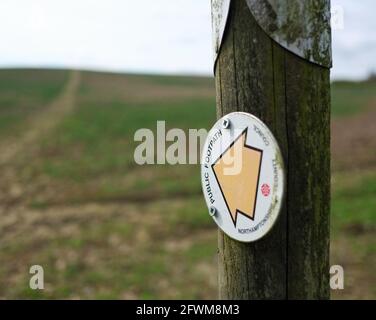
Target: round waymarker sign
pixel 242 175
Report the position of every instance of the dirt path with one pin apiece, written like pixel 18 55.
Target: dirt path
pixel 11 191
pixel 40 124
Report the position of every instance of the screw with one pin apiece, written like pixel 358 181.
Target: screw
pixel 212 211
pixel 225 123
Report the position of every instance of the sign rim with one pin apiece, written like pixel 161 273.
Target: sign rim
pixel 281 189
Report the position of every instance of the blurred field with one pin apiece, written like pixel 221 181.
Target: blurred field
pixel 73 200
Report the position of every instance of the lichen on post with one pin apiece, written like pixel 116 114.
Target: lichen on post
pixel 291 94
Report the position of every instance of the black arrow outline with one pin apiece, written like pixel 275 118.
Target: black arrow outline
pixel 258 178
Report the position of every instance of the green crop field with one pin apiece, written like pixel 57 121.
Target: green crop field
pixel 22 95
pixel 74 201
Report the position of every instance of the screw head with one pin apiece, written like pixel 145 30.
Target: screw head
pixel 212 211
pixel 225 123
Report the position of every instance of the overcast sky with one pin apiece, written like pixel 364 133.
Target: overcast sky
pixel 159 36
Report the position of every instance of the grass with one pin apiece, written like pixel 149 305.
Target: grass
pixel 24 93
pixel 94 145
pixel 111 256
pixel 354 200
pixel 105 228
pixel 350 98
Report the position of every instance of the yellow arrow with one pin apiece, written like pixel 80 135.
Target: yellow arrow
pixel 237 172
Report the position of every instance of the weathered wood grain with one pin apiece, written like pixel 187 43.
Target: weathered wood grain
pixel 254 74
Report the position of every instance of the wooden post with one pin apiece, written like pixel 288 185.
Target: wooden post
pixel 291 95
